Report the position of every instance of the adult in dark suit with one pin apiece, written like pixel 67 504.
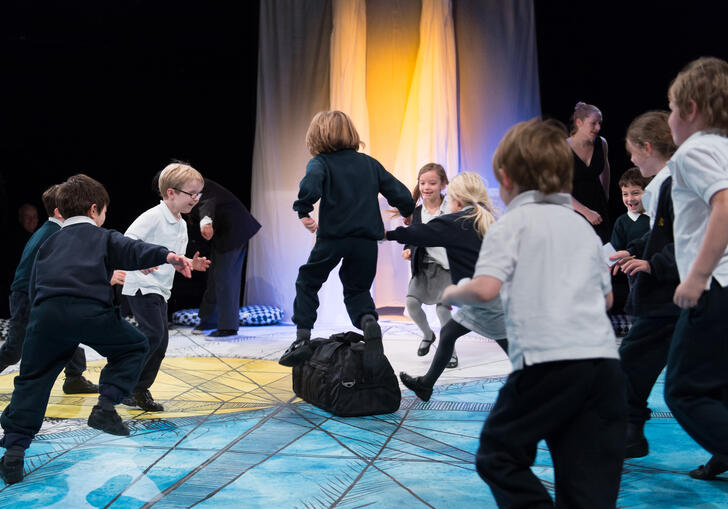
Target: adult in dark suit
pixel 224 221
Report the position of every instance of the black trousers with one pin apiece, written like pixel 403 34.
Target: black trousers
pixel 643 353
pixel 150 312
pixel 220 306
pixel 696 382
pixel 358 259
pixel 579 408
pixel 12 349
pixel 56 326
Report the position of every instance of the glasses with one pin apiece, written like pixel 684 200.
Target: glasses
pixel 191 195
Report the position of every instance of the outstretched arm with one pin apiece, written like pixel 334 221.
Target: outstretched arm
pixel 478 289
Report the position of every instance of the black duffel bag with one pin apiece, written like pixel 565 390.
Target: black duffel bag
pixel 347 377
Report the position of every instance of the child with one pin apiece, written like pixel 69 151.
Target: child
pixel 634 223
pixel 461 233
pixel 566 386
pixel 179 187
pixel 430 268
pixel 348 184
pixel 696 383
pixel 643 350
pixel 72 302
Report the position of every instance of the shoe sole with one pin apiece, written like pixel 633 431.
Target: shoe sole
pixel 638 450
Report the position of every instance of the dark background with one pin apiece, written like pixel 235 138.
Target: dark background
pixel 115 89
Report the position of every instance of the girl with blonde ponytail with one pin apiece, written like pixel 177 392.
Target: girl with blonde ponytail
pixel 461 234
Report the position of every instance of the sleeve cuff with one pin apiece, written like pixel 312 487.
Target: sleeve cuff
pixel 205 221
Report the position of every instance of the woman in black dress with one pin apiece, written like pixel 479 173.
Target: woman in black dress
pixel 591 168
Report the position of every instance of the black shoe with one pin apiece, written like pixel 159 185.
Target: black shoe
pixel 145 401
pixel 299 352
pixel 453 363
pixel 79 385
pixel 129 401
pixel 709 471
pixel 3 367
pixel 107 421
pixel 199 329
pixel 11 471
pixel 636 445
pixel 221 333
pixel 415 384
pixel 371 328
pixel 425 345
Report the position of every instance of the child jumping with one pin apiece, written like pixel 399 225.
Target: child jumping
pixel 350 223
pixel 429 266
pixel 567 386
pixel 179 186
pixel 71 302
pixel 461 234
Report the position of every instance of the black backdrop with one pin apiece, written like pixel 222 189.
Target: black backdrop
pixel 116 88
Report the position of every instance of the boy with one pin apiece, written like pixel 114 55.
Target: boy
pixel 11 350
pixel 634 223
pixel 566 386
pixel 72 302
pixel 179 186
pixel 696 383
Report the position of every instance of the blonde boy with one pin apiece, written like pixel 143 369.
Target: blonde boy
pixel 566 386
pixel 696 383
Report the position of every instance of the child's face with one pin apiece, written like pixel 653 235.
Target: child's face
pixel 590 126
pixel 632 198
pixel 681 128
pixel 430 185
pixel 184 199
pixel 648 164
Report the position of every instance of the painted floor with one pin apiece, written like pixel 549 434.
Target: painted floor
pixel 234 435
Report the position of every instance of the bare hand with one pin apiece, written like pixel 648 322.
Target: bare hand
pixel 407 254
pixel 688 292
pixel 207 232
pixel 181 264
pixel 447 296
pixel 310 224
pixel 619 257
pixel 407 220
pixel 593 217
pixel 118 277
pixel 635 265
pixel 199 262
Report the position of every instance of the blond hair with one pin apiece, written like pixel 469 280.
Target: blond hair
pixel 704 81
pixel 176 175
pixel 437 168
pixel 652 128
pixel 331 131
pixel 536 156
pixel 583 110
pixel 468 189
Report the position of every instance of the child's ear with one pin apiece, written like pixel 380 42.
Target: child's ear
pixel 506 180
pixel 648 148
pixel 93 211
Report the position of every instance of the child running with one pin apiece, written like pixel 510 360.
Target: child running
pixel 461 234
pixel 567 386
pixel 430 268
pixel 348 184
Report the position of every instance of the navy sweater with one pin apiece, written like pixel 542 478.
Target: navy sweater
pixel 348 184
pixel 25 266
pixel 625 230
pixel 78 262
pixel 454 232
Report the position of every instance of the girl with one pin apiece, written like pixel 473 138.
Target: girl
pixel 461 234
pixel 430 269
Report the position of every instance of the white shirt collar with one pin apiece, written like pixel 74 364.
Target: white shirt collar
pixel 168 213
pixel 78 220
pixel 54 220
pixel 634 216
pixel 526 197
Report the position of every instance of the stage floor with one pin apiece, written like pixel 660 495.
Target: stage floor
pixel 234 435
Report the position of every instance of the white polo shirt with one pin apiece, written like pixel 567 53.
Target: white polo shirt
pixel 699 169
pixel 156 226
pixel 554 281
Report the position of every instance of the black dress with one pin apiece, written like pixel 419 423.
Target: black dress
pixel 587 188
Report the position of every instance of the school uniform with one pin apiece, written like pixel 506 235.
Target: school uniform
pixel 71 302
pixel 429 266
pixel 348 184
pixel 627 227
pixel 566 386
pixel 148 293
pixel 12 349
pixel 696 382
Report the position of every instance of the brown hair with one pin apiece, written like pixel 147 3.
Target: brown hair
pixel 581 111
pixel 468 189
pixel 175 175
pixel 331 131
pixel 50 199
pixel 536 156
pixel 437 168
pixel 633 177
pixel 704 81
pixel 78 193
pixel 652 128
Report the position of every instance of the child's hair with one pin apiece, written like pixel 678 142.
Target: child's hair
pixel 581 111
pixel 468 189
pixel 50 199
pixel 331 131
pixel 175 175
pixel 536 156
pixel 78 193
pixel 652 128
pixel 437 168
pixel 704 81
pixel 633 177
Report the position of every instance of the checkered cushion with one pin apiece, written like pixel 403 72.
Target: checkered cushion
pixel 621 324
pixel 4 328
pixel 186 317
pixel 249 315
